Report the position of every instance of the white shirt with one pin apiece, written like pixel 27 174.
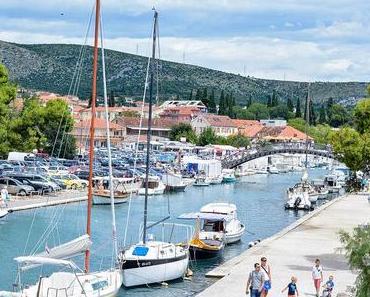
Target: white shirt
pixel 316 272
pixel 264 272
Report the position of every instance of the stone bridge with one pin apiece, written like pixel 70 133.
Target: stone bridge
pixel 239 158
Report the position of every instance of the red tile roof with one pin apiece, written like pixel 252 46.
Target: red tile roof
pixel 156 123
pixel 251 130
pixel 218 120
pixel 282 133
pixel 99 124
pixel 245 123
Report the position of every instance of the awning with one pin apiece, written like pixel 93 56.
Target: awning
pixel 203 216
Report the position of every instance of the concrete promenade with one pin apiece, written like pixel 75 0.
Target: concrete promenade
pixel 293 251
pixel 23 203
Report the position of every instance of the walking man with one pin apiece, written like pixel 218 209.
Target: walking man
pixel 255 282
pixel 317 276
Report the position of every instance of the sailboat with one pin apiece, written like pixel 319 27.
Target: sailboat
pixel 151 261
pixel 75 282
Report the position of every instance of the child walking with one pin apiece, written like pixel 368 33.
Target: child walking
pixel 292 288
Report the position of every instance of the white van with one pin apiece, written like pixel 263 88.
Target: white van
pixel 19 156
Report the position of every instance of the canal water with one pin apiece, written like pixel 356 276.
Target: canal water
pixel 259 199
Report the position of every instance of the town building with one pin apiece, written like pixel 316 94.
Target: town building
pixel 221 125
pixel 181 113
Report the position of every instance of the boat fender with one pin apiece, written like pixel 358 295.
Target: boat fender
pixel 164 284
pixel 189 272
pixel 297 202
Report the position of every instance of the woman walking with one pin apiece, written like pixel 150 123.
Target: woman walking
pixel 317 276
pixel 266 270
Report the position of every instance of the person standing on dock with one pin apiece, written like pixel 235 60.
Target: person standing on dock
pixel 266 270
pixel 255 282
pixel 4 196
pixel 317 276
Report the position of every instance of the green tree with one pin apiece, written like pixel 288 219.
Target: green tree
pixel 274 99
pixel 329 105
pixel 289 104
pixel 222 104
pixel 357 248
pixel 298 112
pixel 238 140
pixel 111 101
pixel 183 130
pixel 259 111
pixel 349 148
pixel 249 102
pixel 190 95
pixel 212 108
pixel 280 112
pixel 208 136
pixel 338 116
pixel 269 101
pixel 312 114
pixel 322 115
pixel 362 115
pixel 198 95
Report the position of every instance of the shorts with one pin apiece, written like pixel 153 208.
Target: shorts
pixel 317 283
pixel 255 293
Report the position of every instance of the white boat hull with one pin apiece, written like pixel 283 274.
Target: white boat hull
pixel 154 273
pixel 105 200
pixel 3 213
pixel 234 237
pixel 152 192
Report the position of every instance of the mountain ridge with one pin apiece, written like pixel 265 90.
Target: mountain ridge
pixel 50 67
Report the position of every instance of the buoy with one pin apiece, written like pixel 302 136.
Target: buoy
pixel 164 284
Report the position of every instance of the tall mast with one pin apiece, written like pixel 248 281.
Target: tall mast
pixel 107 123
pixel 92 130
pixel 149 124
pixel 307 122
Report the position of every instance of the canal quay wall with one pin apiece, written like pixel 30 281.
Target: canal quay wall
pixel 292 252
pixel 25 203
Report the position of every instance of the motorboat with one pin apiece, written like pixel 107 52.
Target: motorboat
pixel 331 181
pixel 209 236
pixel 201 181
pixel 216 180
pixel 174 182
pixel 298 200
pixel 233 228
pixel 228 176
pixel 242 171
pixel 122 188
pixel 261 170
pixel 155 186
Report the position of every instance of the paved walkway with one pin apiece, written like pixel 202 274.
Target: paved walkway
pixel 22 203
pixel 293 251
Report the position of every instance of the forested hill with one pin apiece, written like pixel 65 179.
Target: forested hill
pixel 50 67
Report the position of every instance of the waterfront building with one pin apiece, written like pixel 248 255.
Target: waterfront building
pixel 221 125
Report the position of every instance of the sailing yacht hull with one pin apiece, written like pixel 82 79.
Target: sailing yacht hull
pixel 142 272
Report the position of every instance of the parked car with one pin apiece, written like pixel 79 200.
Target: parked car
pixel 72 181
pixel 40 183
pixel 15 187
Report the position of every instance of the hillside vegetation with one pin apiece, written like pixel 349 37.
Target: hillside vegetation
pixel 50 67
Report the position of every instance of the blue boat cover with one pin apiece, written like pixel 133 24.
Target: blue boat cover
pixel 140 251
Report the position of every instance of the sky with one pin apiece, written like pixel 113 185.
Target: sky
pixel 305 40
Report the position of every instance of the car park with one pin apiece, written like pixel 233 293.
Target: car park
pixel 15 187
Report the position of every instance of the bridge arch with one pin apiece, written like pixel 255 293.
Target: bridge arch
pixel 240 158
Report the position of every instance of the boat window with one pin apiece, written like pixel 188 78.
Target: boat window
pixel 99 285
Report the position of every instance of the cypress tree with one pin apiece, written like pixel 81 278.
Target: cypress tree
pixel 298 112
pixel 198 95
pixel 190 95
pixel 111 101
pixel 249 102
pixel 221 104
pixel 322 115
pixel 212 108
pixel 289 104
pixel 205 98
pixel 306 108
pixel 329 105
pixel 274 99
pixel 269 101
pixel 312 114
